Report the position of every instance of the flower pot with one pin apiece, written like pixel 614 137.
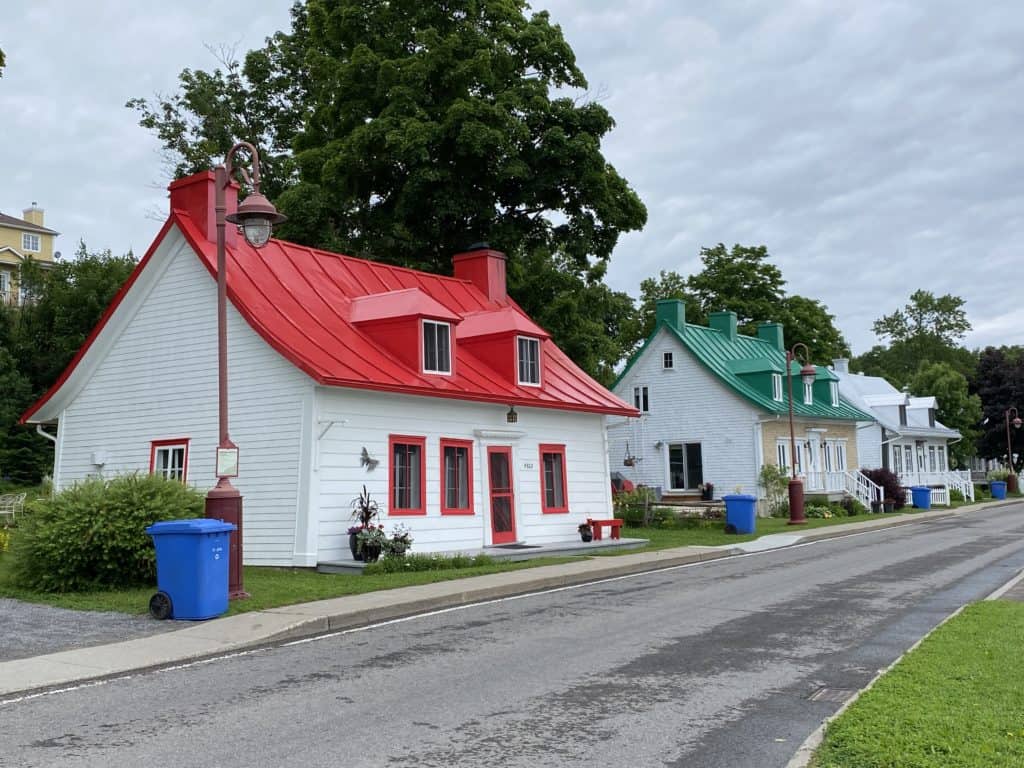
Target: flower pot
pixel 353 545
pixel 707 494
pixel 876 507
pixel 587 535
pixel 889 506
pixel 371 552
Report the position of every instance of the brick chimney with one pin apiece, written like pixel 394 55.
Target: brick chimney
pixel 195 196
pixel 33 214
pixel 485 268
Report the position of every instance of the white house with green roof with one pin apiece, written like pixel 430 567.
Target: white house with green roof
pixel 714 409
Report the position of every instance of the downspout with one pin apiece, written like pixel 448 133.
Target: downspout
pixel 47 435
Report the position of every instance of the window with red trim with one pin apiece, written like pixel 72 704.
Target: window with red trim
pixel 169 458
pixel 408 472
pixel 554 496
pixel 456 477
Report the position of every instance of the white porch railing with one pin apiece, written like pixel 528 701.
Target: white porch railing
pixel 823 482
pixel 861 488
pixel 940 483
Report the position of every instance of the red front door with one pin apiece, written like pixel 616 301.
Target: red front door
pixel 503 508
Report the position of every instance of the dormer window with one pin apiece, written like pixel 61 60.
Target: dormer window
pixel 529 360
pixel 808 393
pixel 903 415
pixel 437 348
pixel 931 417
pixel 834 389
pixel 777 387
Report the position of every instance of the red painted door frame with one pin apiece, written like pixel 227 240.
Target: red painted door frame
pixel 502 506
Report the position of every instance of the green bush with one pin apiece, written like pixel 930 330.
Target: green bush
pixel 999 475
pixel 818 511
pixel 852 507
pixel 636 508
pixel 92 535
pixel 775 481
pixel 425 563
pixel 955 494
pixel 981 492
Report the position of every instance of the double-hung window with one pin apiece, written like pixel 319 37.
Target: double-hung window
pixel 437 348
pixel 641 401
pixel 777 387
pixel 666 361
pixel 528 360
pixel 808 393
pixel 30 243
pixel 456 477
pixel 406 478
pixel 834 390
pixel 685 466
pixel 169 459
pixel 552 471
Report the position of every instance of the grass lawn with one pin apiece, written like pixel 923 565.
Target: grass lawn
pixel 954 702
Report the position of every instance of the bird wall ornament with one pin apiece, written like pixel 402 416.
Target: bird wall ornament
pixel 367 461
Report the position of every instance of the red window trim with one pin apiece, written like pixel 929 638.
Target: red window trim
pixel 559 449
pixel 394 440
pixel 450 442
pixel 181 441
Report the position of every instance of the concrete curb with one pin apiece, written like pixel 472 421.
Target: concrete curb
pixel 258 629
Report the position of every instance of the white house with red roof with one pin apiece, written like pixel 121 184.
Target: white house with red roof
pixel 456 411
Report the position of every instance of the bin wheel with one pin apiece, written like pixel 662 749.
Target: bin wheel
pixel 160 606
pixel 729 528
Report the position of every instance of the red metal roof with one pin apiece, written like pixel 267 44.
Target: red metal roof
pixel 304 301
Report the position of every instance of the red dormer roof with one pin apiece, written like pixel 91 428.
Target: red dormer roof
pixel 313 307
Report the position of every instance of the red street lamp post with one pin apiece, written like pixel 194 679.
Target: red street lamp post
pixel 255 217
pixel 1011 480
pixel 796 486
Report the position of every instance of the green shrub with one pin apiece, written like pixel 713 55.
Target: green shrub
pixel 852 507
pixel 775 481
pixel 5 539
pixel 818 511
pixel 425 563
pixel 636 507
pixel 955 494
pixel 92 535
pixel 998 475
pixel 981 492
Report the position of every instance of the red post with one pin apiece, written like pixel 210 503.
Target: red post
pixel 796 486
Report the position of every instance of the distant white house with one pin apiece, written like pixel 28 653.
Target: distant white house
pixel 905 437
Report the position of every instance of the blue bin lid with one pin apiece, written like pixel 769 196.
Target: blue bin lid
pixel 920 488
pixel 740 497
pixel 194 526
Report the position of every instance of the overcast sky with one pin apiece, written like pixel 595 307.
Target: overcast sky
pixel 875 147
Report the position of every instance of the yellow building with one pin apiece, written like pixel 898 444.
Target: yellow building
pixel 22 239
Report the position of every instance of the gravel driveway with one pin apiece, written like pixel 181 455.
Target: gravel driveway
pixel 27 629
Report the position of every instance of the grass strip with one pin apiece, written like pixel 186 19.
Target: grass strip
pixel 956 701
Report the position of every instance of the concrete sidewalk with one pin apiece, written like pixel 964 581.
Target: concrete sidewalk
pixel 261 628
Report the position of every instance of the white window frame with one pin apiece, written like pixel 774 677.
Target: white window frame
pixel 533 374
pixel 443 367
pixel 933 459
pixel 667 361
pixel 31 243
pixel 808 393
pixel 834 390
pixel 777 387
pixel 782 454
pixel 642 399
pixel 943 463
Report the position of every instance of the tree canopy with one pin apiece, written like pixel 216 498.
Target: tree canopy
pixel 741 279
pixel 406 131
pixel 1000 385
pixel 957 408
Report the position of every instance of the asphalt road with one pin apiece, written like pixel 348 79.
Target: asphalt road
pixel 719 664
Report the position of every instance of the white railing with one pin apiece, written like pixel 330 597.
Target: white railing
pixel 861 488
pixel 962 482
pixel 940 483
pixel 824 482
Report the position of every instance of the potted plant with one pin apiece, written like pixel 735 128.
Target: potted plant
pixel 707 491
pixel 399 543
pixel 371 541
pixel 889 505
pixel 876 506
pixel 364 511
pixel 586 532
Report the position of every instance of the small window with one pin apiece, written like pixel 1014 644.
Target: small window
pixel 931 417
pixel 456 477
pixel 529 360
pixel 169 458
pixel 933 464
pixel 437 356
pixel 552 471
pixel 777 386
pixel 666 361
pixel 405 481
pixel 30 242
pixel 834 389
pixel 808 393
pixel 903 415
pixel 640 399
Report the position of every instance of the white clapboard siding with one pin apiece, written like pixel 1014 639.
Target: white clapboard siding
pixel 869 446
pixel 688 404
pixel 158 381
pixel 355 419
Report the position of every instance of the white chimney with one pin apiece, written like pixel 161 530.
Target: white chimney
pixel 841 365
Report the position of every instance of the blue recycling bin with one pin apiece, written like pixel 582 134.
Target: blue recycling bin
pixel 740 512
pixel 998 489
pixel 191 568
pixel 921 495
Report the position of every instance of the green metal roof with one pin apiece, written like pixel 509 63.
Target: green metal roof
pixel 743 365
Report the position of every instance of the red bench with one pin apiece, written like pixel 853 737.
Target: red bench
pixel 615 524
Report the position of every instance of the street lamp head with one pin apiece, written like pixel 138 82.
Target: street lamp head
pixel 1017 422
pixel 256 217
pixel 808 374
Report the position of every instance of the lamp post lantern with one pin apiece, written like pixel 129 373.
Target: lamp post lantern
pixel 1011 480
pixel 796 486
pixel 255 217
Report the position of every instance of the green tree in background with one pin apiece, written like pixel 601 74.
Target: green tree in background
pixel 37 341
pixel 741 279
pixel 957 408
pixel 3 62
pixel 1000 385
pixel 927 330
pixel 405 131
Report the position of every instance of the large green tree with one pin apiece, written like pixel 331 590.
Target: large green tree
pixel 1000 385
pixel 957 407
pixel 743 280
pixel 37 340
pixel 404 131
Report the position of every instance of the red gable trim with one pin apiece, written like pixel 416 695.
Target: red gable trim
pixel 111 308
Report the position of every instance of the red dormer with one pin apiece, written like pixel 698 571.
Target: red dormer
pixel 412 326
pixel 509 342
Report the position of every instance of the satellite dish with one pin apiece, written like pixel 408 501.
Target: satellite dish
pixel 56 255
